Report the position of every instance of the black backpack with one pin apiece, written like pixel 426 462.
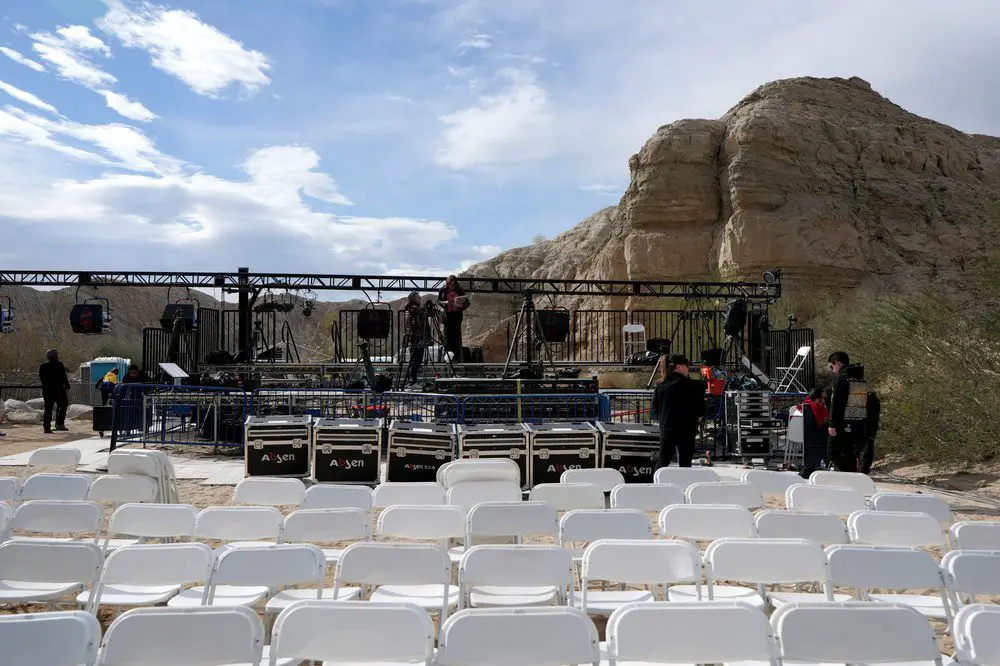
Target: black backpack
pixel 874 412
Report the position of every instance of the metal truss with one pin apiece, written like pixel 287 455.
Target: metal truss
pixel 243 280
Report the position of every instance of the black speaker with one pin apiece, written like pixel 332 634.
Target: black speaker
pixel 184 311
pixel 757 331
pixel 374 323
pixel 658 345
pixel 87 318
pixel 736 318
pixel 554 323
pixel 712 357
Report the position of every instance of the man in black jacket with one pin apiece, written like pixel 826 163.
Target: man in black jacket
pixel 848 412
pixel 55 390
pixel 678 403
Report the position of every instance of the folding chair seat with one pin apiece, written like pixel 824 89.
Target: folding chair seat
pixel 523 636
pixel 977 635
pixel 968 573
pixel 568 496
pixel 191 636
pixel 685 476
pixel 510 520
pixel 975 535
pixel 10 488
pixel 319 526
pixel 857 481
pixel 51 517
pixel 54 456
pixel 586 525
pixel 690 633
pixel 706 522
pixel 648 497
pixel 838 500
pixel 929 504
pixel 123 488
pixel 725 492
pixel 634 562
pixel 330 496
pixel 518 576
pixel 823 528
pixel 895 528
pixel 467 494
pixel 150 521
pixel 769 482
pixel 604 478
pixel 410 493
pixel 148 574
pixel 29 639
pixel 240 526
pixel 46 571
pixel 46 486
pixel 262 491
pixel 468 470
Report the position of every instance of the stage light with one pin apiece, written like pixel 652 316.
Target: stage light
pixel 772 276
pixel 307 309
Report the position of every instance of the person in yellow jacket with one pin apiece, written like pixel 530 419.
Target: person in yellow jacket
pixel 107 385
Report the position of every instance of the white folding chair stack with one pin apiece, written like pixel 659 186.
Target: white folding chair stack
pixel 150 521
pixel 50 486
pixel 240 526
pixel 895 528
pixel 685 476
pixel 857 481
pixel 62 638
pixel 46 571
pixel 519 576
pixel 123 488
pixel 823 528
pixel 411 493
pixel 507 520
pixel 968 573
pixel 770 482
pixel 977 635
pixel 330 496
pixel 146 462
pixel 839 500
pixel 648 497
pixel 635 562
pixel 44 519
pixel 263 491
pixel 725 492
pixel 975 535
pixel 327 526
pixel 568 496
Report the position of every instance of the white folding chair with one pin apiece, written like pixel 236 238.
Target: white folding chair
pixel 411 493
pixel 706 522
pixel 649 497
pixel 240 526
pixel 330 496
pixel 976 535
pixel 770 482
pixel 322 526
pixel 568 496
pixel 10 488
pixel 467 494
pixel 827 499
pixel 263 491
pixel 604 478
pixel 968 573
pixel 789 381
pixel 148 574
pixel 123 488
pixel 66 638
pixel 191 636
pixel 514 576
pixel 523 636
pixel 51 517
pixel 422 522
pixel 690 633
pixel 633 337
pixel 6 516
pixel 466 470
pixel 823 528
pixel 895 528
pixel 352 632
pixel 879 633
pixel 507 520
pixel 46 486
pixel 46 571
pixel 977 635
pixel 54 456
pixel 685 476
pixel 149 521
pixel 586 525
pixel 634 562
pixel 725 492
pixel 929 504
pixel 862 483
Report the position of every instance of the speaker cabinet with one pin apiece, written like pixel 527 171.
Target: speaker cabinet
pixel 87 318
pixel 554 323
pixel 374 323
pixel 183 311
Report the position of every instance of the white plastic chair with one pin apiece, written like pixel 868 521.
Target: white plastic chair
pixel 510 520
pixel 467 494
pixel 895 528
pixel 633 337
pixel 976 535
pixel 467 470
pixel 400 492
pixel 54 456
pixel 352 632
pixel 828 499
pixel 968 573
pixel 690 633
pixel 47 486
pixel 239 526
pixel 685 476
pixel 330 496
pixel 823 528
pixel 262 491
pixel 190 636
pixel 67 638
pixel 879 633
pixel 568 496
pixel 769 482
pixel 123 488
pixel 857 481
pixel 319 526
pixel 523 636
pixel 977 635
pixel 514 576
pixel 10 488
pixel 725 492
pixel 789 381
pixel 148 574
pixel 149 521
pixel 635 562
pixel 929 504
pixel 6 516
pixel 51 517
pixel 586 525
pixel 649 497
pixel 46 571
pixel 426 522
pixel 706 522
pixel 604 478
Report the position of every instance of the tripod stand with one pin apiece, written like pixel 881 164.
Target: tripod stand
pixel 430 326
pixel 526 324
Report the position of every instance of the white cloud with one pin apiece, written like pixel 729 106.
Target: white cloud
pixel 27 97
pixel 480 41
pixel 603 189
pixel 181 45
pixel 22 130
pixel 69 51
pixel 514 125
pixel 22 59
pixel 402 99
pixel 127 108
pixel 284 170
pixel 79 37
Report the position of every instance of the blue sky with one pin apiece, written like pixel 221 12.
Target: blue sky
pixel 406 136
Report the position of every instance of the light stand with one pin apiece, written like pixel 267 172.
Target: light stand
pixel 430 324
pixel 527 322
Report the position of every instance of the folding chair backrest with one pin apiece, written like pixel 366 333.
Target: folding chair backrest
pixel 516 565
pixel 766 561
pixel 524 636
pixel 6 516
pixel 399 492
pixel 977 635
pixel 895 528
pixel 154 520
pixel 725 492
pixel 422 522
pixel 394 564
pixel 972 571
pixel 10 486
pixel 649 497
pixel 122 488
pixel 862 483
pixel 353 632
pixel 823 528
pixel 685 476
pixel 689 632
pixel 469 493
pixel 202 636
pixel 841 501
pixel 159 564
pixel 499 519
pixel 60 638
pixel 568 496
pixel 604 478
pixel 594 524
pixel 769 482
pixel 236 523
pixel 54 456
pixel 328 496
pixel 706 522
pixel 280 564
pixel 638 562
pixel 46 486
pixel 976 535
pixel 479 469
pixel 259 491
pixel 326 525
pixel 854 632
pixel 58 517
pixel 864 567
pixel 50 561
pixel 928 504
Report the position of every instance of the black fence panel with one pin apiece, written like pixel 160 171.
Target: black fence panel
pixel 156 350
pixel 209 333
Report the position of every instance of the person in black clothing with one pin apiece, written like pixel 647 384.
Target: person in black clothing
pixel 871 431
pixel 135 376
pixel 55 390
pixel 848 412
pixel 414 326
pixel 452 298
pixel 678 403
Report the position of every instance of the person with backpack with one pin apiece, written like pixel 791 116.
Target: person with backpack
pixel 848 412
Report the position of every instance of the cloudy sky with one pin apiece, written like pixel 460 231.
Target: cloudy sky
pixel 405 136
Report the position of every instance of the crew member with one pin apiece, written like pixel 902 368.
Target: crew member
pixel 848 412
pixel 135 376
pixel 678 402
pixel 55 390
pixel 815 439
pixel 415 323
pixel 452 298
pixel 107 385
